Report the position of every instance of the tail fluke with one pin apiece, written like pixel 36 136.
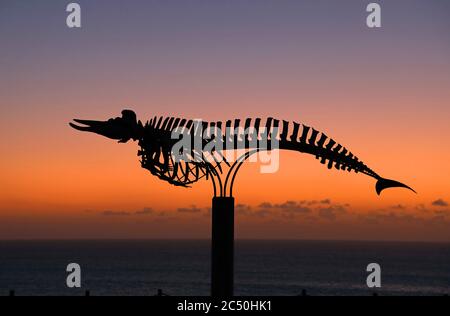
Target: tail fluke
pixel 386 183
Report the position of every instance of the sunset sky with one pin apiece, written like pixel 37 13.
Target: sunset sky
pixel 383 93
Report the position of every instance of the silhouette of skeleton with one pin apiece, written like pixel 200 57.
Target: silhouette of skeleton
pixel 157 142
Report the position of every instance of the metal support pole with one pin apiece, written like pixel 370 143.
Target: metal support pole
pixel 222 250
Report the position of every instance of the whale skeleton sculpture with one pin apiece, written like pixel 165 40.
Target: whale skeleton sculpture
pixel 157 144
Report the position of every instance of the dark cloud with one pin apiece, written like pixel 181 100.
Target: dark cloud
pixel 191 209
pixel 262 213
pixel 243 209
pixel 297 208
pixel 439 202
pixel 327 210
pixel 243 206
pixel 288 206
pixel 290 209
pixel 259 213
pixel 393 217
pixel 331 212
pixel 327 213
pixel 115 213
pixel 144 211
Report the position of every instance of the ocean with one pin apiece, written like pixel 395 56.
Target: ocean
pixel 262 267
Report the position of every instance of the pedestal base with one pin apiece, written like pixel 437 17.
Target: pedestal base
pixel 222 247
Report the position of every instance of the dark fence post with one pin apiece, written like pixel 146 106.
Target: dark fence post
pixel 222 247
pixel 12 293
